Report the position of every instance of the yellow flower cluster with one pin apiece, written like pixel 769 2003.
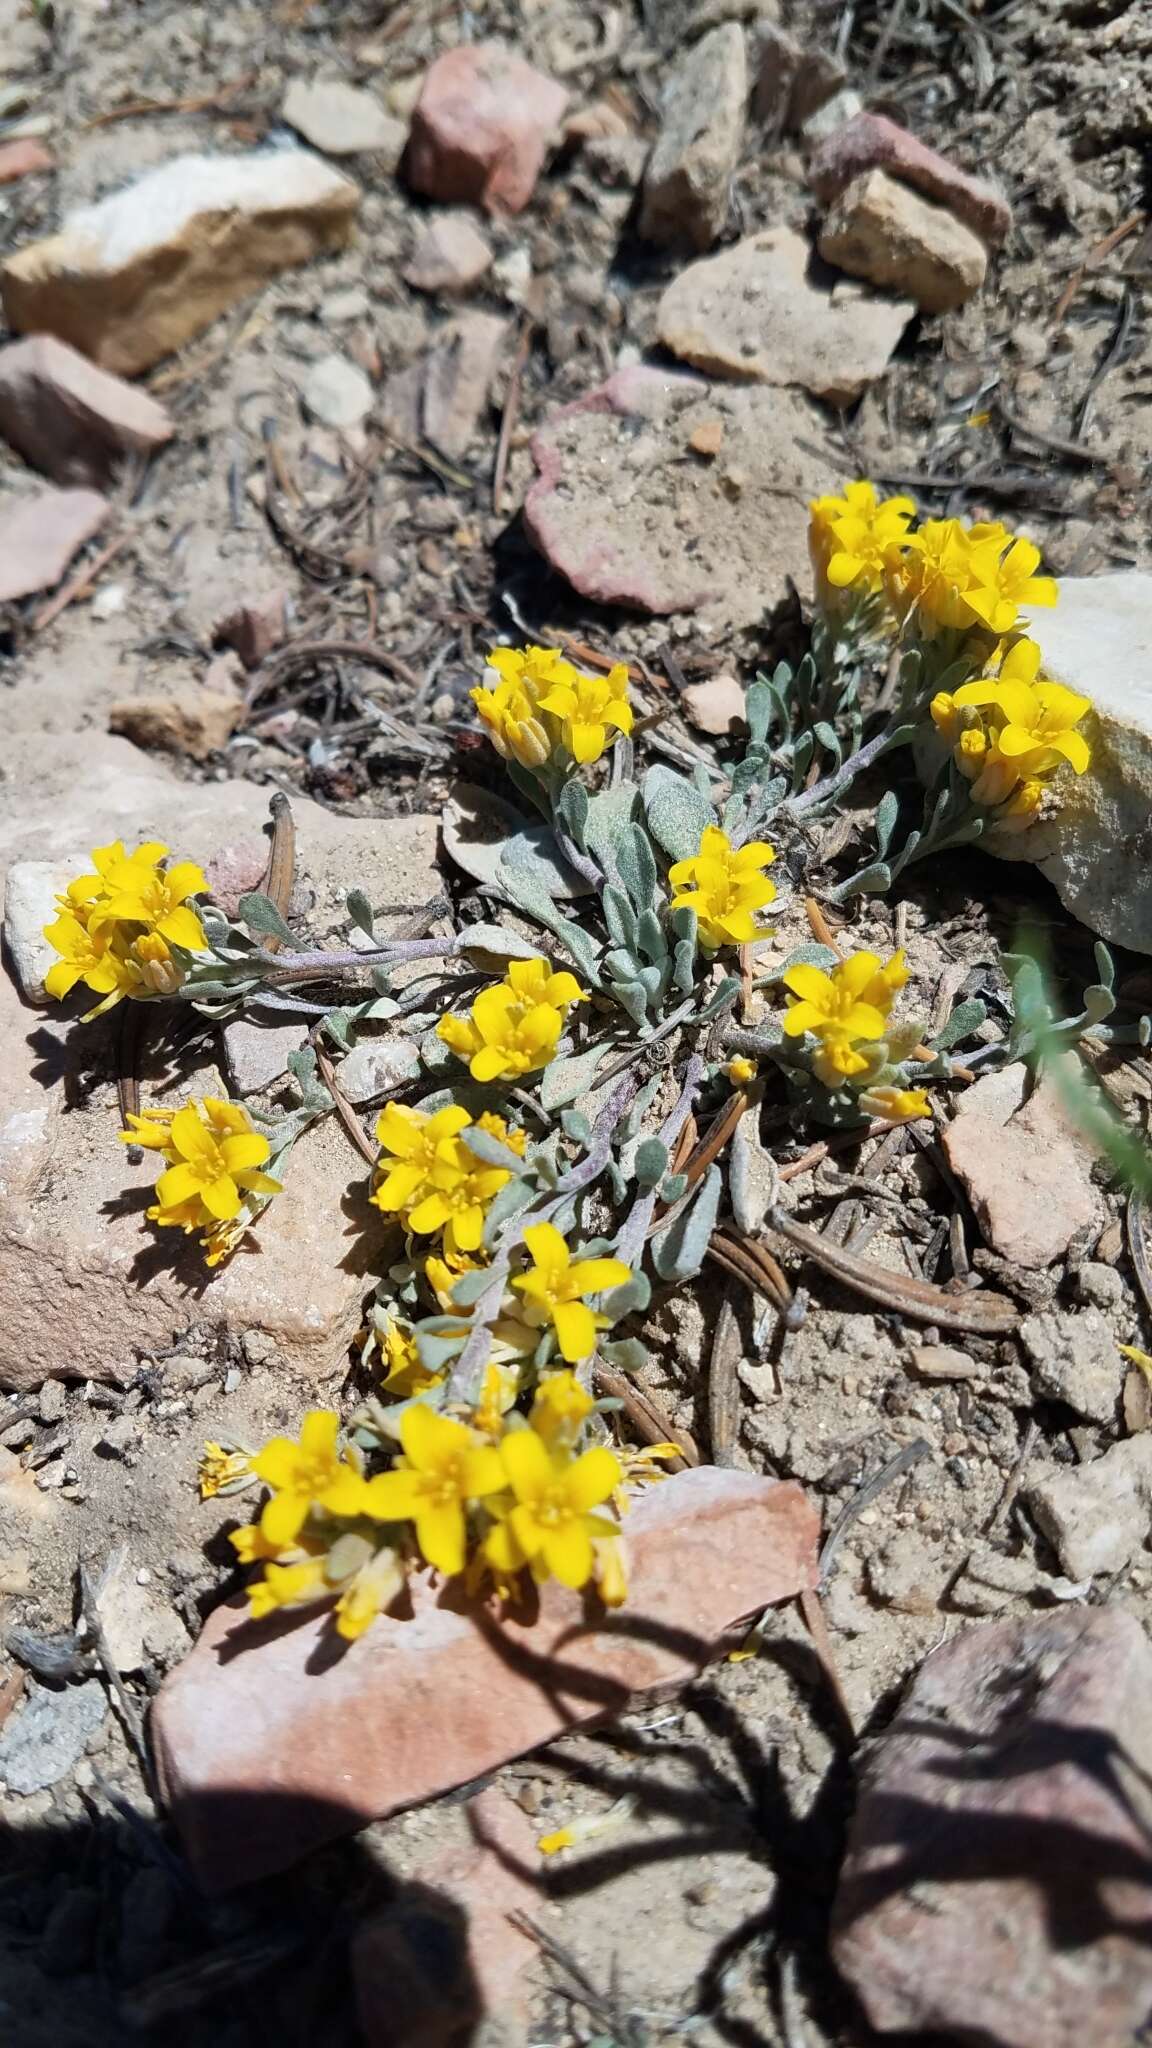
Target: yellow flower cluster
pixel 542 707
pixel 942 575
pixel 725 887
pixel 1010 732
pixel 843 1010
pixel 515 1025
pixel 432 1181
pixel 117 926
pixel 526 1500
pixel 213 1177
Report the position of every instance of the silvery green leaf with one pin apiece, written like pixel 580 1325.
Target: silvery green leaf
pixel 490 839
pixel 809 955
pixel 572 810
pixel 619 917
pixel 617 1181
pixel 678 1252
pixel 1105 965
pixel 677 812
pixel 758 702
pixel 341 1028
pixel 684 967
pixel 570 1075
pixel 508 1202
pixel 490 1149
pixel 684 923
pixel 384 1006
pixel 577 943
pixel 654 981
pixel 887 812
pixel 1099 1002
pixel 725 995
pixel 702 781
pixel 438 1057
pixel 802 753
pixel 965 1019
pixel 360 911
pixel 828 739
pixel 871 881
pixel 382 980
pixel 466 1291
pixel 628 1354
pixel 650 936
pixel 435 1352
pixel 673 1188
pixel 261 915
pixel 576 1126
pixel 631 1298
pixel 621 964
pixel 533 851
pixel 632 997
pixel 493 939
pixel 610 812
pixel 636 867
pixel 302 1065
pixel 651 1162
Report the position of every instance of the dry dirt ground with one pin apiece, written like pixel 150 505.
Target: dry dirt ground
pixel 703 1914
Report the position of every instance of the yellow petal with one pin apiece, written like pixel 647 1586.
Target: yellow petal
pixel 575 1330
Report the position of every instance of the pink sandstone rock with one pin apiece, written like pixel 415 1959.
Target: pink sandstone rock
pixel 21 158
pixel 264 1735
pixel 39 536
pixel 873 143
pixel 69 419
pixel 255 628
pixel 998 1883
pixel 481 127
pixel 447 1953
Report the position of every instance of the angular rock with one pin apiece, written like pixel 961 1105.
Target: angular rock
pixel 943 1362
pixel 883 231
pixel 30 893
pixel 48 1734
pixel 716 706
pixel 256 1054
pixel 137 275
pixel 1097 1516
pixel 259 1708
pixel 85 1284
pixel 789 82
pixel 685 197
pixel 446 1953
pixel 21 158
pixel 1095 850
pixel 457 377
pixel 1075 1358
pixel 450 255
pixel 1028 1178
pixel 752 313
pixel 255 628
pixel 998 1884
pixel 619 512
pixel 376 1065
pixel 831 117
pixel 336 392
pixel 192 720
pixel 40 535
pixel 874 143
pixel 481 127
pixel 340 119
pixel 67 418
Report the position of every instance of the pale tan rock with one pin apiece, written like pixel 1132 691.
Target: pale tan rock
pixel 259 1709
pixel 1028 1179
pixel 450 255
pixel 192 720
pixel 686 184
pixel 134 277
pixel 340 119
pixel 881 230
pixel 39 536
pixel 30 893
pixel 752 313
pixel 69 419
pixel 872 142
pixel 716 706
pixel 457 380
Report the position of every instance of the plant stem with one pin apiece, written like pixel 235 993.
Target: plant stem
pixel 832 785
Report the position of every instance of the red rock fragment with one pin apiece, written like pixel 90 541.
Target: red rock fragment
pixel 260 1734
pixel 873 143
pixel 998 1884
pixel 21 158
pixel 254 629
pixel 70 419
pixel 39 536
pixel 481 127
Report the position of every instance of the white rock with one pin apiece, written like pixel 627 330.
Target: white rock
pixel 337 392
pixel 337 118
pixel 1098 1515
pixel 377 1064
pixel 30 894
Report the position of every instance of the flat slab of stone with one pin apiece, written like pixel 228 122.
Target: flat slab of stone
pixel 39 535
pixel 631 516
pixel 1028 1176
pixel 69 419
pixel 260 1735
pixel 884 231
pixel 134 277
pixel 340 119
pixel 753 312
pixel 86 1284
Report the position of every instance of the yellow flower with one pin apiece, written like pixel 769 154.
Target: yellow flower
pixel 851 538
pixel 420 1145
pixel 510 711
pixel 611 1568
pixel 311 1473
pixel 1005 584
pixel 1035 720
pixel 138 891
pixel 841 1008
pixel 497 1396
pixel 405 1374
pixel 1022 808
pixel 215 1160
pixel 287 1585
pixel 251 1545
pixel 515 1024
pixel 117 926
pixel 551 1526
pixel 85 956
pixel 372 1586
pixel 561 1408
pixel 224 1470
pixel 726 889
pixel 442 1275
pixel 554 1290
pixel 896 1105
pixel 586 706
pixel 443 1469
pixel 741 1072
